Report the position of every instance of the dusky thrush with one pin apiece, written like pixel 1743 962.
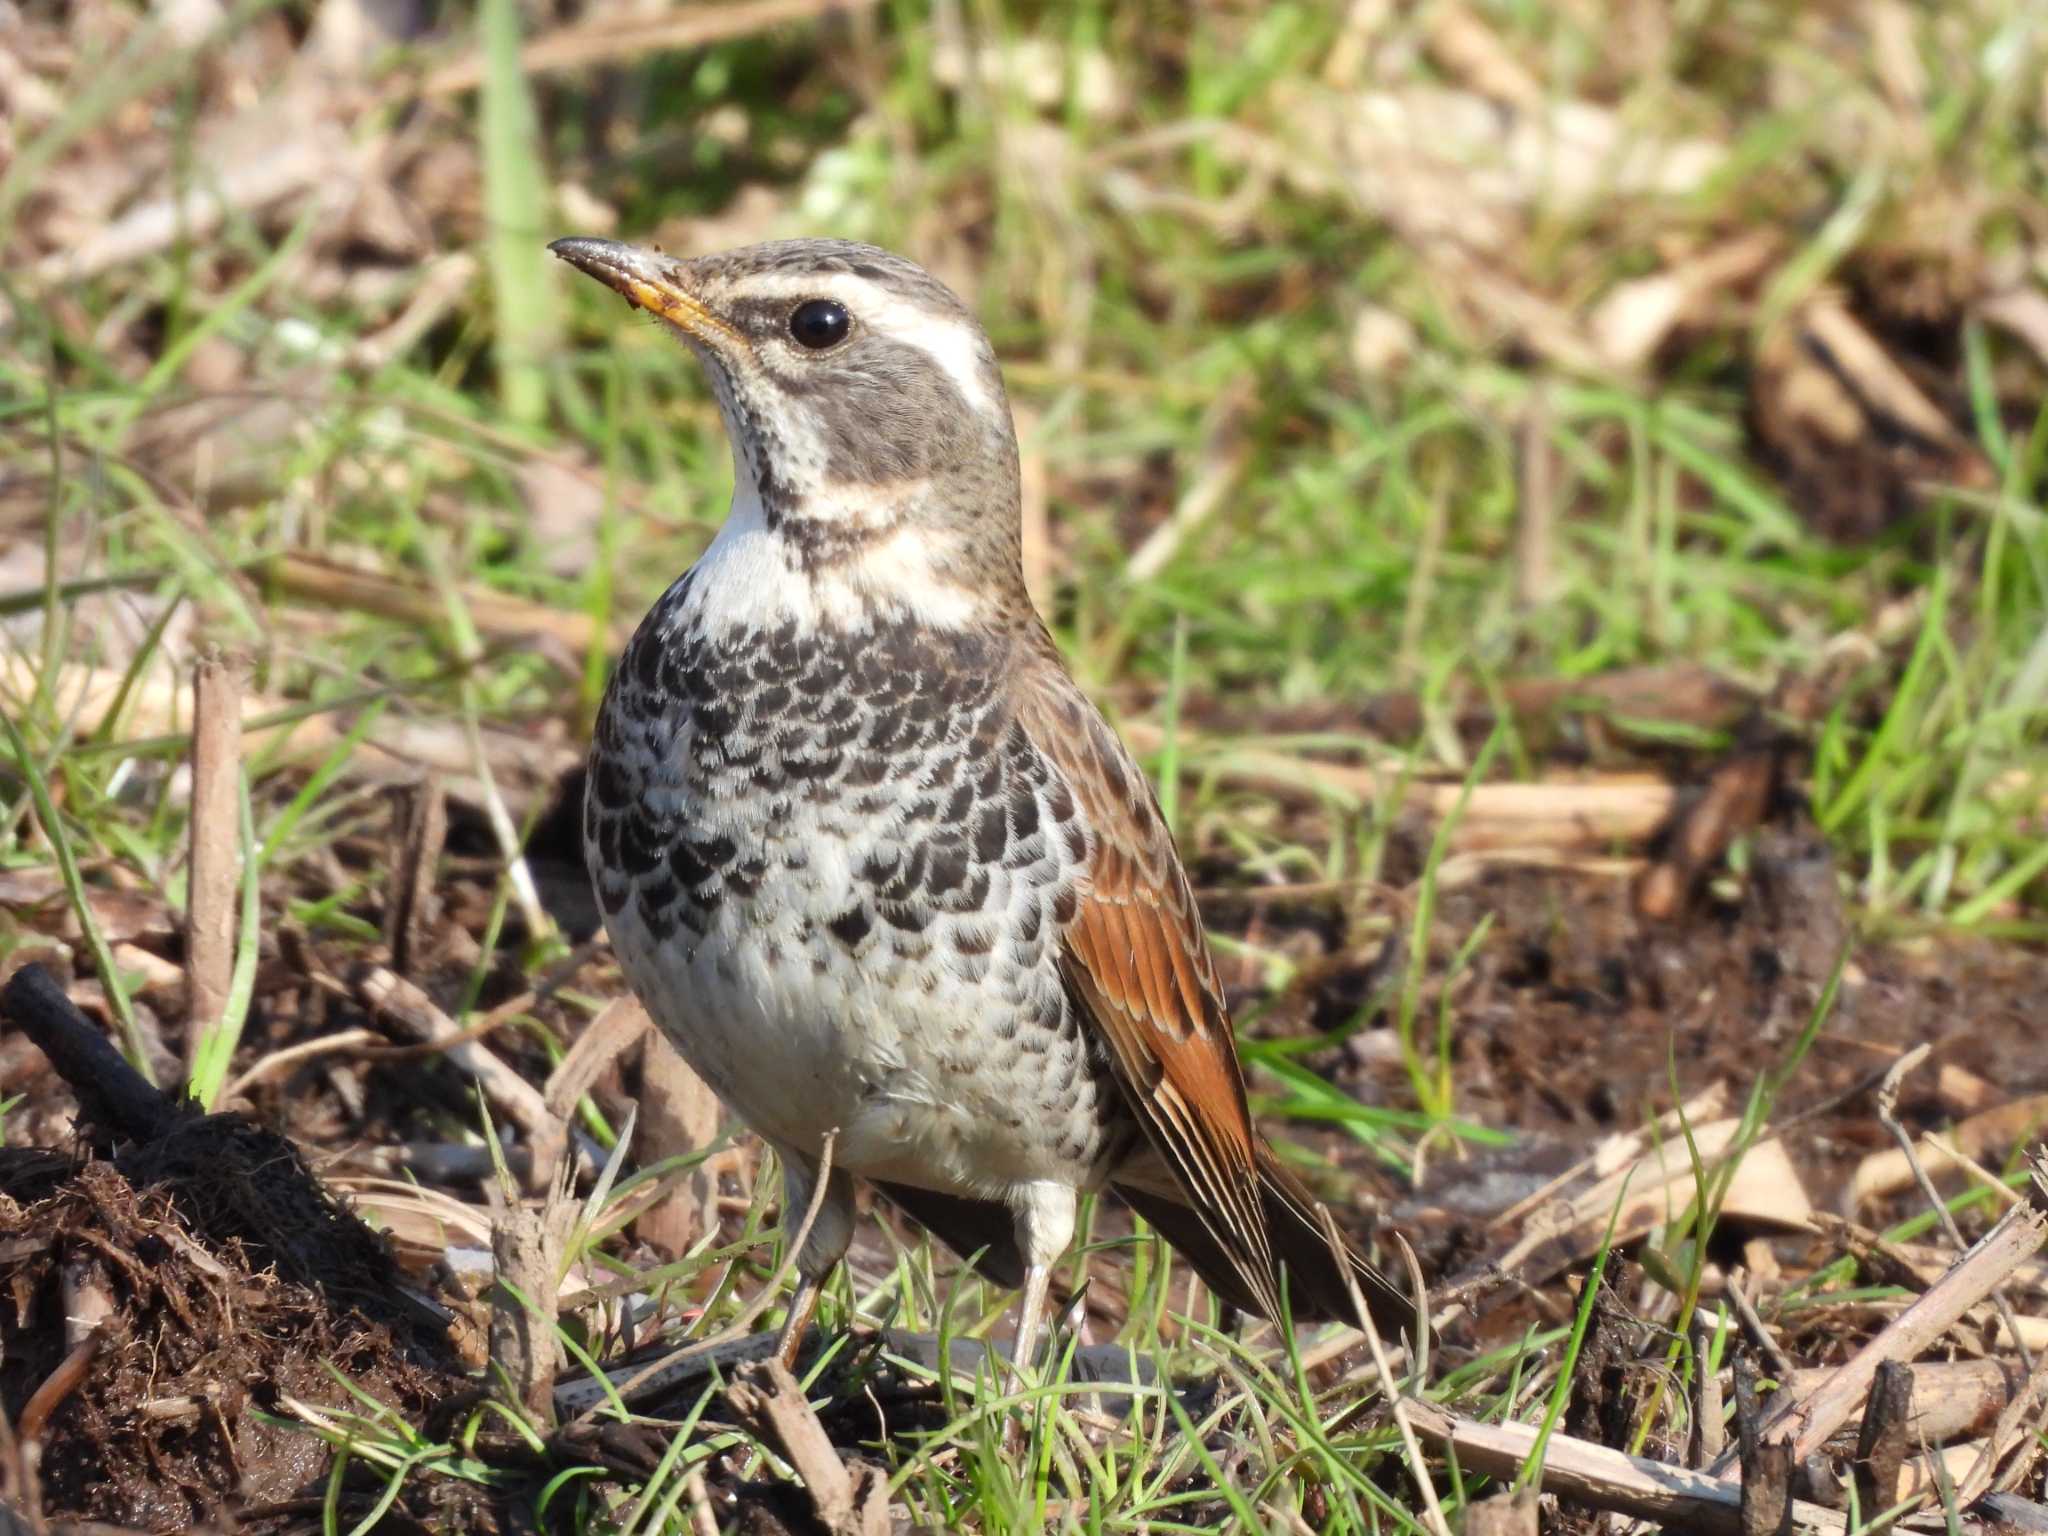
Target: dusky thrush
pixel 866 851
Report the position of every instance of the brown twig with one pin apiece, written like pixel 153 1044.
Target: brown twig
pixel 769 1401
pixel 1753 1329
pixel 1886 1102
pixel 390 996
pixel 2015 1426
pixel 232 177
pixel 680 1115
pixel 411 904
pixel 308 579
pixel 1736 797
pixel 1976 1136
pixel 215 849
pixel 1807 1424
pixel 614 1030
pixel 1602 1478
pixel 50 1393
pixel 396 749
pixel 603 39
pixel 1591 814
pixel 1951 1398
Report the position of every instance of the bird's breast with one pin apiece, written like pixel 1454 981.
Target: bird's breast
pixel 836 871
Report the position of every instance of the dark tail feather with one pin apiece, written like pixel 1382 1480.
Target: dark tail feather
pixel 1315 1285
pixel 987 1227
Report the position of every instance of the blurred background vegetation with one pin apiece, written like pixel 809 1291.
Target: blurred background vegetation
pixel 1359 348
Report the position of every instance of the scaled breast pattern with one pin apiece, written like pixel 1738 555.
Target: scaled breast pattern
pixel 835 870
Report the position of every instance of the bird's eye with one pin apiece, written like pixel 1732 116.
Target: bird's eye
pixel 820 323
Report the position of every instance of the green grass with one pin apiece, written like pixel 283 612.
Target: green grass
pixel 1134 267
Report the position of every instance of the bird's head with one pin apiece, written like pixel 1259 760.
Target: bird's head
pixel 863 400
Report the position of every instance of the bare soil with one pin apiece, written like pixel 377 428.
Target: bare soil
pixel 172 1302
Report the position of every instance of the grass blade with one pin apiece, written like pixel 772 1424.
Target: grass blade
pixel 74 887
pixel 515 201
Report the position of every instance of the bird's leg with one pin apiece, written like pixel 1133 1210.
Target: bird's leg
pixel 1031 1316
pixel 1044 1214
pixel 824 1245
pixel 803 1306
pixel 1045 1226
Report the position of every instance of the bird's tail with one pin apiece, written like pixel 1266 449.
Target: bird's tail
pixel 1316 1288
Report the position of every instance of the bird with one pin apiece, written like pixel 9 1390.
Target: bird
pixel 870 856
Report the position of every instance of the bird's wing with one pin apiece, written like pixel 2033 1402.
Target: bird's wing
pixel 1136 961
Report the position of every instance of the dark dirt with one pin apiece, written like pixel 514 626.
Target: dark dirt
pixel 175 1290
pixel 172 1421
pixel 1579 1017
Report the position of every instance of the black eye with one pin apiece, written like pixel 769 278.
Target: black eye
pixel 820 323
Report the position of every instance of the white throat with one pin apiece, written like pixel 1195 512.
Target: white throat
pixel 750 577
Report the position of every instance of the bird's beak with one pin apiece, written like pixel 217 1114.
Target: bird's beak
pixel 653 282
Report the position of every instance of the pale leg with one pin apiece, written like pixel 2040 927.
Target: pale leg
pixel 1031 1315
pixel 1045 1226
pixel 830 1235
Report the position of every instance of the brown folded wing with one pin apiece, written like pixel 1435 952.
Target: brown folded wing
pixel 1137 963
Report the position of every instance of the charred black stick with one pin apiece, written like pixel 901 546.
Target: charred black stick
pixel 114 1096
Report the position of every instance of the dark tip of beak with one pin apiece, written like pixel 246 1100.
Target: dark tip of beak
pixel 600 258
pixel 646 278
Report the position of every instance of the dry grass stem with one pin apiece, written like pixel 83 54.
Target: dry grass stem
pixel 286 1058
pixel 607 38
pixel 215 844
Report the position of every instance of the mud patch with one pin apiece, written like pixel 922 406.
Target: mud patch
pixel 158 1372
pixel 169 1304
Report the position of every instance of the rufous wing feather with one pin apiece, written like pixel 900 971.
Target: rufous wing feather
pixel 1316 1288
pixel 1137 964
pixel 1138 967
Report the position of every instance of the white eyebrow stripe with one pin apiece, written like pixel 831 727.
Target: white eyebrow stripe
pixel 952 341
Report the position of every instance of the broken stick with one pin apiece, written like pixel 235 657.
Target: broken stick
pixel 1806 1424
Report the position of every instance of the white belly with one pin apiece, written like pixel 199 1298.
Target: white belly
pixel 892 1045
